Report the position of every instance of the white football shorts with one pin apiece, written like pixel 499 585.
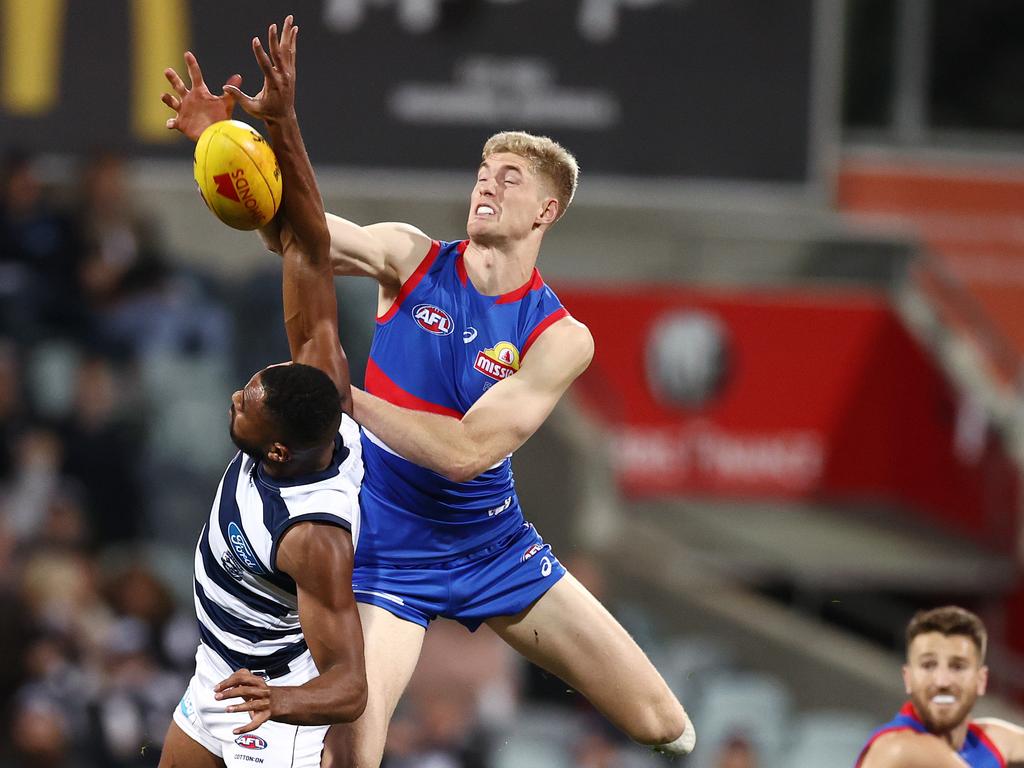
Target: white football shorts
pixel 273 744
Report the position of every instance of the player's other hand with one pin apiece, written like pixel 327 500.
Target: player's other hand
pixel 277 99
pixel 196 108
pixel 257 698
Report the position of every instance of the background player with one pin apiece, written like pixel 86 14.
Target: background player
pixel 443 533
pixel 944 675
pixel 274 563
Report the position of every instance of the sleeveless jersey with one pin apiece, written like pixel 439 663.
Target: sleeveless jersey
pixel 978 750
pixel 440 346
pixel 246 607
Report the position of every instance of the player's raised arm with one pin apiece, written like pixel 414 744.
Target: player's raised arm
pixel 498 423
pixel 387 252
pixel 310 304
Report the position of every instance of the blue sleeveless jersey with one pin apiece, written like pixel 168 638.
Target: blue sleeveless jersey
pixel 978 750
pixel 440 346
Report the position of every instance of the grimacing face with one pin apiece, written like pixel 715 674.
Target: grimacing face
pixel 944 676
pixel 508 199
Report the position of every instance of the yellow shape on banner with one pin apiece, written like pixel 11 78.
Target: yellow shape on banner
pixel 30 55
pixel 159 37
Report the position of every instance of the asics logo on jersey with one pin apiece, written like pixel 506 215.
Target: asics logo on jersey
pixel 242 550
pixel 433 319
pixel 469 334
pixel 251 741
pixel 498 362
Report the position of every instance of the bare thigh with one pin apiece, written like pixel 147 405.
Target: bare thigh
pixel 182 751
pixel 570 634
pixel 392 648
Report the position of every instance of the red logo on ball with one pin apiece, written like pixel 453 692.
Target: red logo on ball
pixel 225 188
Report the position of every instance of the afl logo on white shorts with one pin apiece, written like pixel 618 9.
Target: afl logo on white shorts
pixel 251 741
pixel 433 319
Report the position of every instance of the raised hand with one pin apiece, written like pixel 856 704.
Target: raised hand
pixel 256 695
pixel 197 108
pixel 277 99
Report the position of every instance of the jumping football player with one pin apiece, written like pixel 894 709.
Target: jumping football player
pixel 281 652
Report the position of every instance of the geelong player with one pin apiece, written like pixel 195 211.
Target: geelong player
pixel 281 655
pixel 471 353
pixel 944 675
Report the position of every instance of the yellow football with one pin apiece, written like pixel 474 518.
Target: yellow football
pixel 237 174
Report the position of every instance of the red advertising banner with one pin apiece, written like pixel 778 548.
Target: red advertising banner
pixel 786 394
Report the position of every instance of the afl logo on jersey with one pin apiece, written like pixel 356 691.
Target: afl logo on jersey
pixel 433 319
pixel 499 362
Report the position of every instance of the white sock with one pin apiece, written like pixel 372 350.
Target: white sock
pixel 681 746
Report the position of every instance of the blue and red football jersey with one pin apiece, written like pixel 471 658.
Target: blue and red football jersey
pixel 978 750
pixel 440 346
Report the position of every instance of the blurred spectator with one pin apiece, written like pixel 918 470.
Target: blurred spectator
pixel 13 409
pixel 39 733
pixel 135 699
pixel 736 752
pixel 102 448
pixel 40 258
pixel 141 305
pixel 123 258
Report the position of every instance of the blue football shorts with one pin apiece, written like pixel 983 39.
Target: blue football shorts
pixel 499 580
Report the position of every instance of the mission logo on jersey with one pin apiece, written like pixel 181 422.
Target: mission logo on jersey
pixel 433 319
pixel 498 362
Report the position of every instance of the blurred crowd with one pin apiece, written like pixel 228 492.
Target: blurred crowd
pixel 97 647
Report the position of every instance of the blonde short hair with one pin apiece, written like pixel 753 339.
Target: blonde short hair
pixel 547 158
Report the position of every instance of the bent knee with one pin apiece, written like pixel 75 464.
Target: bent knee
pixel 658 722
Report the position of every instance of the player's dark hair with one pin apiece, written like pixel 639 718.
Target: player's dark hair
pixel 304 403
pixel 949 620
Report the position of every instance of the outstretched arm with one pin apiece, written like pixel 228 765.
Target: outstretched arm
pixel 310 304
pixel 498 423
pixel 319 558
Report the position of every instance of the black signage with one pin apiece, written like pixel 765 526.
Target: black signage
pixel 715 89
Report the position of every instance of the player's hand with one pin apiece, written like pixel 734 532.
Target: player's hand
pixel 277 99
pixel 257 698
pixel 196 108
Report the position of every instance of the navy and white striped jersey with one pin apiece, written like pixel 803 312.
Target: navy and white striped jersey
pixel 247 608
